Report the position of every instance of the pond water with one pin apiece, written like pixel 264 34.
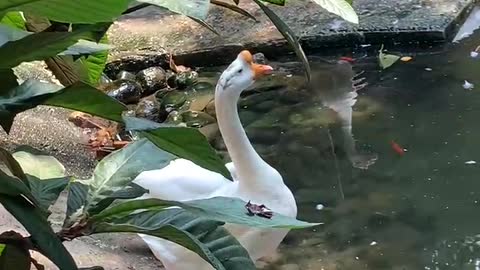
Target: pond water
pixel 416 210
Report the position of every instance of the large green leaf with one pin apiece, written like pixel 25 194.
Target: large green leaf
pixel 230 210
pixel 46 191
pixel 130 192
pixel 288 34
pixel 12 166
pixel 14 19
pixel 39 46
pixel 23 97
pixel 91 67
pixel 185 143
pixel 85 98
pixel 386 60
pixel 85 11
pixel 46 175
pixel 77 198
pixel 339 7
pixel 118 170
pixel 204 237
pixel 34 221
pixel 9 33
pixel 193 8
pixel 37 164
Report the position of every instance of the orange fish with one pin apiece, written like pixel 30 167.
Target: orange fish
pixel 397 148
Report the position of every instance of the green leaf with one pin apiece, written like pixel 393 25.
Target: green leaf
pixel 85 11
pixel 91 67
pixel 86 47
pixel 289 36
pixel 15 257
pixel 119 169
pixel 190 144
pixel 46 191
pixel 14 19
pixel 204 237
pixel 173 139
pixel 229 210
pixel 130 192
pixel 185 143
pixel 45 174
pixel 192 8
pixel 12 165
pixel 234 8
pixel 276 2
pixel 42 235
pixel 77 198
pixel 386 60
pixel 9 33
pixel 21 98
pixel 339 7
pixel 8 79
pixel 38 46
pixel 85 98
pixel 37 164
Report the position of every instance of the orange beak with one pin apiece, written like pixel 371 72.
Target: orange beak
pixel 261 70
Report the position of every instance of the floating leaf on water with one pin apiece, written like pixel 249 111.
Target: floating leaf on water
pixel 468 85
pixel 471 162
pixel 406 58
pixel 386 60
pixel 474 54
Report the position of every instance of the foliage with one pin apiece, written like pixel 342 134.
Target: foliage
pixel 70 37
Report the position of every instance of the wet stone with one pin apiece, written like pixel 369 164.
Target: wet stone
pixel 185 79
pixel 149 108
pixel 125 75
pixel 197 119
pixel 152 79
pixel 171 100
pixel 124 91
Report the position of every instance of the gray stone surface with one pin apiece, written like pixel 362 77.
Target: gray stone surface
pixel 152 30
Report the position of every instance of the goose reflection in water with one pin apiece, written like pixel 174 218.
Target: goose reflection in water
pixel 337 88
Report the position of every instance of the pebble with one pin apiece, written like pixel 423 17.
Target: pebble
pixel 471 162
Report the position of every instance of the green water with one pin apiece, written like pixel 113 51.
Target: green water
pixel 416 211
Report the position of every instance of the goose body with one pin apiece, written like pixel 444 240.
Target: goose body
pixel 254 179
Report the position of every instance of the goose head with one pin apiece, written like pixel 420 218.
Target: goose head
pixel 242 73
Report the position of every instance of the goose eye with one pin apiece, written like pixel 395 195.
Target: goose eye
pixel 240 70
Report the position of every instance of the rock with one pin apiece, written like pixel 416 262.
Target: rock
pixel 290 266
pixel 186 79
pixel 171 76
pixel 104 79
pixel 203 87
pixel 124 91
pixel 197 119
pixel 210 131
pixel 152 79
pixel 199 102
pixel 125 75
pixel 259 58
pixel 174 118
pixel 171 100
pixel 210 108
pixel 149 108
pixel 267 136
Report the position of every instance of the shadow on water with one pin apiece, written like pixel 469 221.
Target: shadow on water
pixel 419 210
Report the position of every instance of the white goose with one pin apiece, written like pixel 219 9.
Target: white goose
pixel 254 179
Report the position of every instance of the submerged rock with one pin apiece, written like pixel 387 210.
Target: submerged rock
pixel 125 75
pixel 199 101
pixel 152 79
pixel 124 91
pixel 203 87
pixel 149 108
pixel 210 131
pixel 171 100
pixel 174 118
pixel 197 119
pixel 210 108
pixel 186 79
